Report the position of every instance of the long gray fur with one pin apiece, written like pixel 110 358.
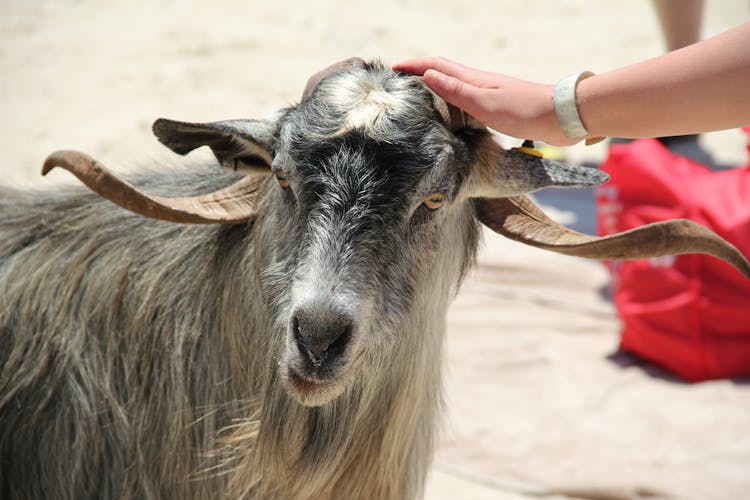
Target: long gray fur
pixel 145 359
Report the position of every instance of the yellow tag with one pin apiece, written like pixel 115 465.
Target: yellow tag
pixel 529 151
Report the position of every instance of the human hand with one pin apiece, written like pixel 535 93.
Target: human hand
pixel 514 107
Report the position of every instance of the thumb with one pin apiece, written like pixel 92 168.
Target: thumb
pixel 457 92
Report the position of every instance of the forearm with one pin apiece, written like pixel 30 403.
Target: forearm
pixel 700 88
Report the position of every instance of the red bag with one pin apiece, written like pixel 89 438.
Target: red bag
pixel 690 313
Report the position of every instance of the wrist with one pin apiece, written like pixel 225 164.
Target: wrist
pixel 529 113
pixel 546 127
pixel 567 103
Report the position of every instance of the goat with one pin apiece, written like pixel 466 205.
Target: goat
pixel 284 340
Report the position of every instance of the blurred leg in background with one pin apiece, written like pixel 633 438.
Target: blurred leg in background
pixel 681 22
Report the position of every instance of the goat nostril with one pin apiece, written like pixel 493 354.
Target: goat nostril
pixel 338 346
pixel 321 337
pixel 296 332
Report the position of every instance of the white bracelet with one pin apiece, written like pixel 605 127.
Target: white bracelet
pixel 566 107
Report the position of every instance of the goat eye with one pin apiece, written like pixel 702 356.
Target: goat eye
pixel 282 180
pixel 434 201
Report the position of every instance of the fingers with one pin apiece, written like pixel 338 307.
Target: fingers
pixel 473 76
pixel 514 107
pixel 420 65
pixel 462 94
pixel 415 66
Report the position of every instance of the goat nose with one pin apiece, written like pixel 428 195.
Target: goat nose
pixel 321 335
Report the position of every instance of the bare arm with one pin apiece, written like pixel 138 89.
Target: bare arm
pixel 700 88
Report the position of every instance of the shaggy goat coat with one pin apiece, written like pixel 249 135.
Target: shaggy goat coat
pixel 293 349
pixel 139 358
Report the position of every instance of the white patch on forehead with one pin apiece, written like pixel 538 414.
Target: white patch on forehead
pixel 370 110
pixel 362 100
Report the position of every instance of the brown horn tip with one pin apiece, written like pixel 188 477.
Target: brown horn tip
pixel 237 203
pixel 58 158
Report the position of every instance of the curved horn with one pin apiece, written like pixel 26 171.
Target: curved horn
pixel 346 64
pixel 234 204
pixel 519 219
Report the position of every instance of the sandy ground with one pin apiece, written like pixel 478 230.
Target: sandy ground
pixel 535 397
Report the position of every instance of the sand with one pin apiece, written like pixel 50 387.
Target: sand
pixel 534 396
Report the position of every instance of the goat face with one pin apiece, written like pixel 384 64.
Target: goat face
pixel 376 178
pixel 369 176
pixel 373 187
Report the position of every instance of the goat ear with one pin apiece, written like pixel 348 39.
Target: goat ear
pixel 499 173
pixel 239 145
